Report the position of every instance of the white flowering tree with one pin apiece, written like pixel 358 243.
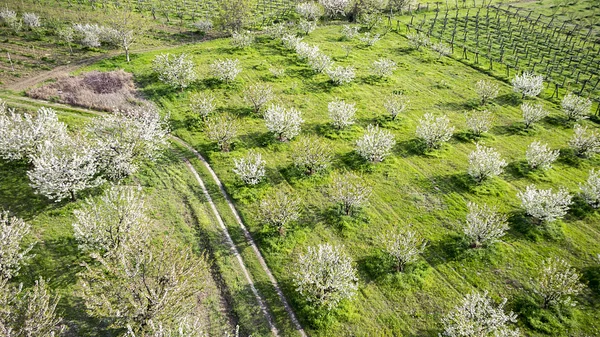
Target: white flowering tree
pixel 545 205
pixel 334 7
pixel 478 315
pixel 175 70
pixel 61 170
pixel 203 26
pixel 417 40
pixel 319 62
pixel 533 113
pixel 258 95
pixel 12 255
pixel 125 139
pixel 341 75
pixel 31 20
pixel 309 11
pixel 87 35
pixel 528 84
pixel 484 225
pixel 539 155
pixel 242 39
pixel 66 35
pixel 226 70
pixel 369 39
pixel 307 26
pixel 383 68
pixel 103 226
pixel 486 90
pixel 585 143
pixel 484 163
pixel 479 122
pixel 341 113
pixel 125 29
pixel 324 276
pixel 311 155
pixel 442 49
pixel 349 191
pixel 278 30
pixel 284 123
pixel 186 326
pixel 557 282
pixel 304 51
pixel 291 42
pixel 9 18
pixel 375 144
pixel 591 189
pixel 349 32
pixel 434 131
pixel 250 169
pixel 576 108
pixel 395 105
pixel 202 104
pixel 279 210
pixel 404 246
pixel 222 129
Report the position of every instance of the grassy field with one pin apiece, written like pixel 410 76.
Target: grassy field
pixel 429 191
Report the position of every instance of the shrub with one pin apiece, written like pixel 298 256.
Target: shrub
pixel 486 90
pixel 251 168
pixel 349 191
pixel 175 70
pixel 369 40
pixel 417 40
pixel 544 205
pixel 375 144
pixel 584 143
pixel 540 156
pixel 441 48
pixel 284 123
pixel 341 113
pixel 349 32
pixel 591 189
pixel 305 51
pixel 319 62
pixel 528 84
pixel 395 105
pixel 203 26
pixel 434 130
pixel 291 42
pixel 557 282
pixel 31 20
pixel 226 70
pixel 307 27
pixel 88 35
pixel 479 122
pixel 533 113
pixel 258 95
pixel 484 225
pixel 311 155
pixel 576 108
pixel 279 210
pixel 242 39
pixel 485 163
pixel 222 129
pixel 341 75
pixel 9 18
pixel 202 104
pixel 383 68
pixel 404 246
pixel 277 72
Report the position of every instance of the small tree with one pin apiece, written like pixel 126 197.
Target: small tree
pixel 324 276
pixel 404 246
pixel 303 50
pixel 370 40
pixel 279 210
pixel 251 168
pixel 434 130
pixel 341 113
pixel 31 20
pixel 383 68
pixel 484 225
pixel 242 39
pixel 584 143
pixel 222 129
pixel 576 108
pixel 12 255
pixel 202 104
pixel 341 75
pixel 234 14
pixel 334 7
pixel 65 34
pixel 533 113
pixel 309 11
pixel 126 28
pixel 88 35
pixel 478 315
pixel 528 84
pixel 203 26
pixel 277 71
pixel 544 205
pixel 279 31
pixel 311 155
pixel 539 155
pixel 479 122
pixel 486 90
pixel 104 226
pixel 258 95
pixel 485 163
pixel 9 18
pixel 375 144
pixel 417 40
pixel 350 32
pixel 319 62
pixel 442 49
pixel 284 123
pixel 62 170
pixel 349 191
pixel 307 27
pixel 557 282
pixel 395 105
pixel 591 189
pixel 175 70
pixel 226 70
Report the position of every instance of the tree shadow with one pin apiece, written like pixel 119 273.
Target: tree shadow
pixel 512 98
pixel 256 139
pixel 509 130
pixel 466 137
pixel 375 266
pixel 353 161
pixel 411 147
pixel 451 247
pixel 458 182
pixel 528 228
pixel 324 86
pixel 580 209
pixel 518 169
pixel 591 276
pixel 568 157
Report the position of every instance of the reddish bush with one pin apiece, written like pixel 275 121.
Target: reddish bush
pixel 107 91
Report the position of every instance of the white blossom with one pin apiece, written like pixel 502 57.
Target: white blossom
pixel 341 75
pixel 284 123
pixel 88 35
pixel 476 316
pixel 226 70
pixel 591 189
pixel 242 39
pixel 311 155
pixel 309 11
pixel 222 129
pixel 203 26
pixel 349 32
pixel 9 17
pixel 305 51
pixel 383 68
pixel 545 205
pixel 251 168
pixel 31 20
pixel 202 104
pixel 557 282
pixel 539 155
pixel 403 5
pixel 349 191
pixel 479 122
pixel 485 162
pixel 319 62
pixel 279 210
pixel 306 26
pixel 334 7
pixel 187 326
pixel 277 30
pixel 395 105
pixel 291 42
pixel 405 245
pixel 12 254
pixel 277 71
pixel 324 276
pixel 576 108
pixel 584 143
pixel 484 225
pixel 369 39
pixel 434 130
pixel 258 95
pixel 533 113
pixel 417 40
pixel 175 70
pixel 441 48
pixel 486 90
pixel 341 113
pixel 528 84
pixel 375 144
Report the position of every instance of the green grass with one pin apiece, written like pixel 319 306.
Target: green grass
pixel 429 191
